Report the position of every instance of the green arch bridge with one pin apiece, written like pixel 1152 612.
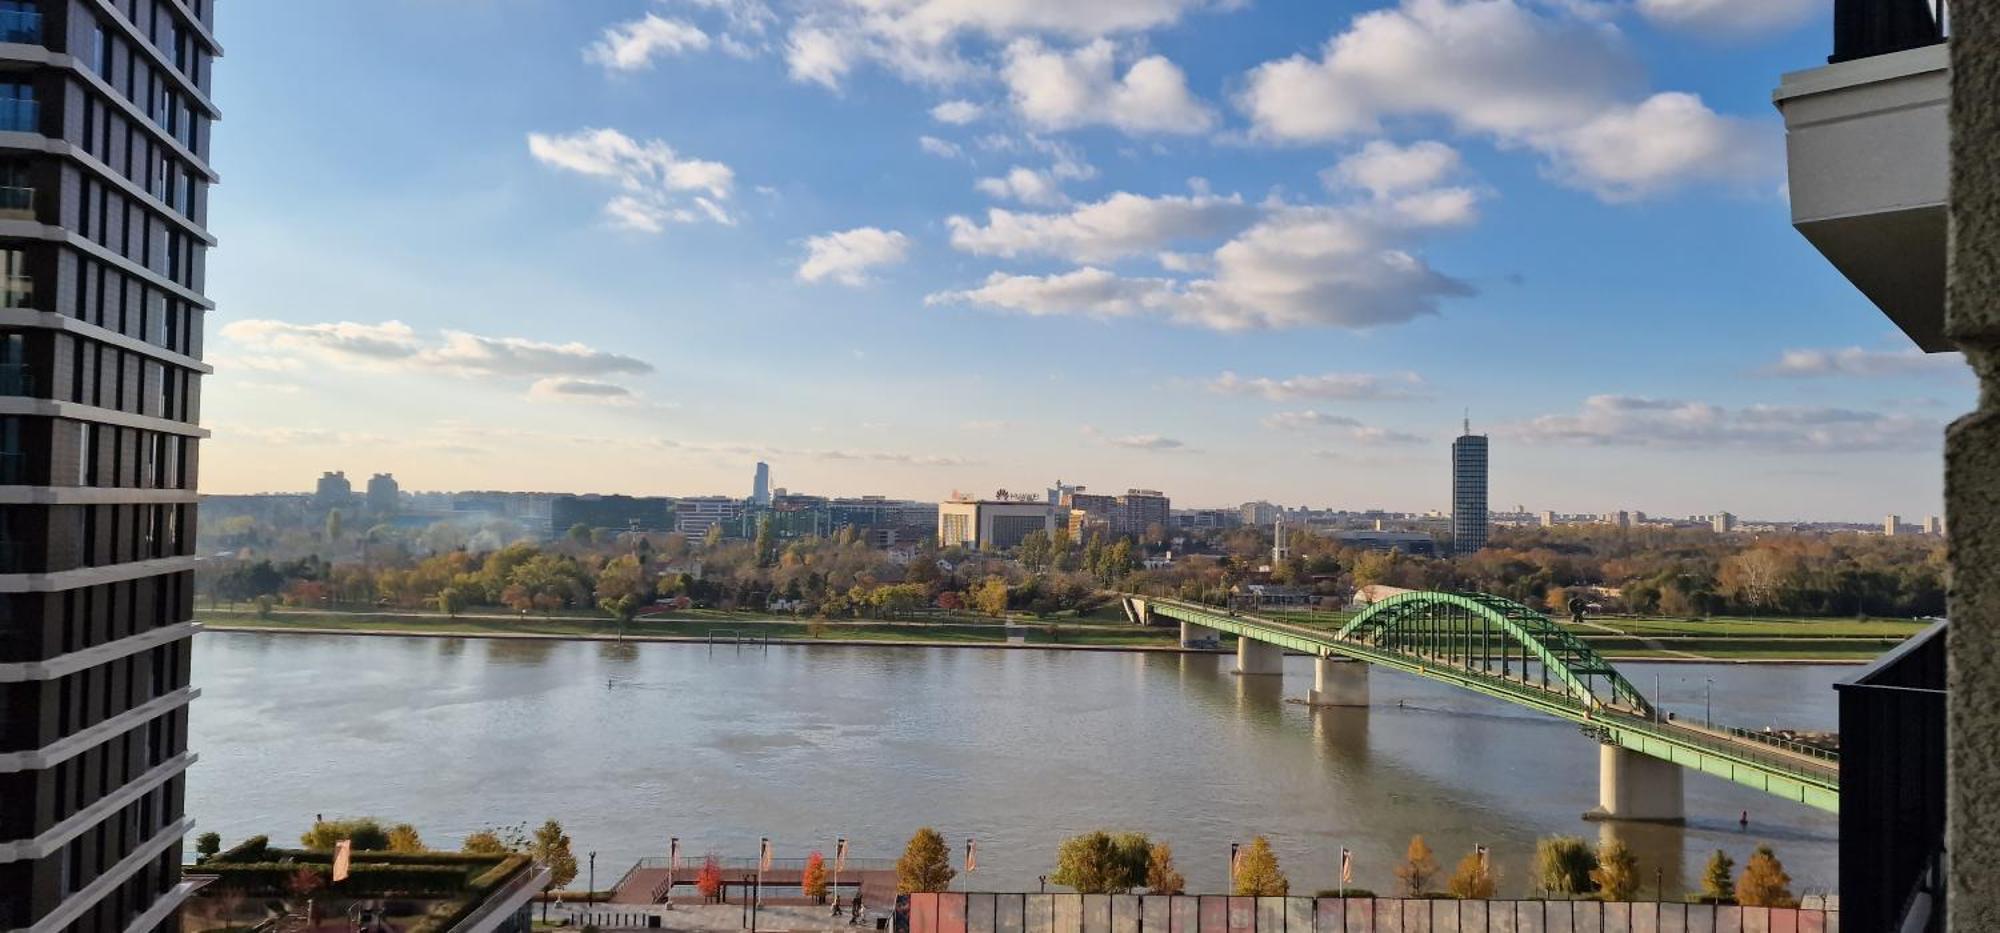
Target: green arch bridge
pixel 1503 649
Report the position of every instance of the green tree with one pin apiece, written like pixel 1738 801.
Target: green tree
pixel 925 865
pixel 1101 863
pixel 1035 551
pixel 1563 865
pixel 206 846
pixel 1419 867
pixel 1475 879
pixel 812 881
pixel 550 846
pixel 579 534
pixel 1161 876
pixel 1257 872
pixel 366 834
pixel 1617 874
pixel 1764 882
pixel 453 600
pixel 403 838
pixel 1718 880
pixel 991 597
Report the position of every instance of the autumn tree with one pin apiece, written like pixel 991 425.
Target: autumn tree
pixel 926 864
pixel 1764 882
pixel 1419 867
pixel 1563 865
pixel 1161 876
pixel 708 880
pixel 484 842
pixel 1474 879
pixel 1101 863
pixel 991 597
pixel 1617 872
pixel 1718 879
pixel 403 838
pixel 812 881
pixel 365 834
pixel 550 846
pixel 1257 873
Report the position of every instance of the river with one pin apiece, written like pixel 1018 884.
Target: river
pixel 628 744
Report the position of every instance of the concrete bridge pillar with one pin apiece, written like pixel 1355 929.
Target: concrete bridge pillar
pixel 1257 657
pixel 1192 634
pixel 1338 682
pixel 1137 611
pixel 1635 786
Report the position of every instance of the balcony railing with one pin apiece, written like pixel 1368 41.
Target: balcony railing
pixel 17 202
pixel 22 26
pixel 1863 28
pixel 20 115
pixel 17 291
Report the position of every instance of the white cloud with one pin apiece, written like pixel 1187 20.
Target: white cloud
pixel 846 256
pixel 1625 421
pixel 1090 291
pixel 943 149
pixel 564 388
pixel 1025 185
pixel 516 356
pixel 633 46
pixel 1730 18
pixel 818 56
pixel 1301 420
pixel 957 112
pixel 1354 387
pixel 370 345
pixel 1562 84
pixel 1056 90
pixel 1855 361
pixel 657 186
pixel 396 345
pixel 1119 226
pixel 1145 442
pixel 1383 168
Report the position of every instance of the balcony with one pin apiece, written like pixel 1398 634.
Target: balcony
pixel 21 26
pixel 20 115
pixel 17 202
pixel 17 291
pixel 1865 146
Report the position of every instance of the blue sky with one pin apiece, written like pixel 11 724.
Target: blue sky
pixel 1232 250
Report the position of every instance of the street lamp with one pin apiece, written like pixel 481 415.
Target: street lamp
pixel 1232 868
pixel 590 893
pixel 1708 702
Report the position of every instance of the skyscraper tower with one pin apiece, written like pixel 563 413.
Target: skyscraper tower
pixel 760 488
pixel 1468 491
pixel 104 175
pixel 1281 549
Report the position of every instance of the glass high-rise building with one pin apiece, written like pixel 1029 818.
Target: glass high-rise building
pixel 104 174
pixel 1468 492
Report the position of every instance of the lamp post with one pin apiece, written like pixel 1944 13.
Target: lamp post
pixel 1232 868
pixel 1708 702
pixel 590 895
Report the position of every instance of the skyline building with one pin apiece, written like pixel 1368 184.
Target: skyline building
pixel 760 486
pixel 1468 491
pixel 104 123
pixel 1891 524
pixel 384 494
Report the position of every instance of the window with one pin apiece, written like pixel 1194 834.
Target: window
pixel 18 111
pixel 20 21
pixel 100 48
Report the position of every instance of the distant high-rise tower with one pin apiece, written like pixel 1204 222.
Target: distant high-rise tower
pixel 1723 523
pixel 1890 523
pixel 760 488
pixel 1281 549
pixel 1468 491
pixel 383 494
pixel 1934 525
pixel 1548 519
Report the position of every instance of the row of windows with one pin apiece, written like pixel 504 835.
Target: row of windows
pixel 97 615
pixel 132 228
pixel 114 300
pixel 134 897
pixel 105 376
pixel 86 778
pixel 59 538
pixel 97 849
pixel 125 67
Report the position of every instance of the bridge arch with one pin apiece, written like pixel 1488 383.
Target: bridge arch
pixel 1481 632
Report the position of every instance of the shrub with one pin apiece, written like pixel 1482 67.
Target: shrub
pixel 366 834
pixel 206 845
pixel 1563 865
pixel 1617 873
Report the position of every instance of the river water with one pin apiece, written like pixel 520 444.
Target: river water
pixel 629 744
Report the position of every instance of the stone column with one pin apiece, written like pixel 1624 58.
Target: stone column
pixel 1634 786
pixel 1338 682
pixel 1192 633
pixel 1972 475
pixel 1256 657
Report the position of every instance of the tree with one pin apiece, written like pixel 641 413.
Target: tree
pixel 1257 873
pixel 1764 882
pixel 1419 867
pixel 1617 873
pixel 926 864
pixel 403 838
pixel 1718 883
pixel 1563 865
pixel 1475 879
pixel 550 846
pixel 366 835
pixel 453 600
pixel 206 846
pixel 1035 551
pixel 709 879
pixel 812 881
pixel 1161 876
pixel 713 538
pixel 991 597
pixel 484 842
pixel 1100 863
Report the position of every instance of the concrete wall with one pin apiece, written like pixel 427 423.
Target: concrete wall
pixel 1103 913
pixel 1972 475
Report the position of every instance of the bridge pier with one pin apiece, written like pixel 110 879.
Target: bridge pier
pixel 1635 786
pixel 1137 611
pixel 1257 657
pixel 1192 634
pixel 1338 682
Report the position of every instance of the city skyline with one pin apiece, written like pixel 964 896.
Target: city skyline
pixel 971 213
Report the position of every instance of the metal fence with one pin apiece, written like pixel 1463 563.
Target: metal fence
pixel 1131 913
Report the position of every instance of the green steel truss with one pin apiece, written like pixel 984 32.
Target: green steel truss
pixel 1505 650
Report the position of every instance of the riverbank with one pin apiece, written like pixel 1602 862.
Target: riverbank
pixel 904 634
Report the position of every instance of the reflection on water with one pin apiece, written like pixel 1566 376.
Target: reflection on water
pixel 631 743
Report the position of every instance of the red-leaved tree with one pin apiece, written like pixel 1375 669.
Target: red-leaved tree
pixel 709 880
pixel 812 881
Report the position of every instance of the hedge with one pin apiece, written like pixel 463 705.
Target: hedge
pixel 247 851
pixel 363 880
pixel 443 917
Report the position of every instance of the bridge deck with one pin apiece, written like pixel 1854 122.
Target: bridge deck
pixel 1757 764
